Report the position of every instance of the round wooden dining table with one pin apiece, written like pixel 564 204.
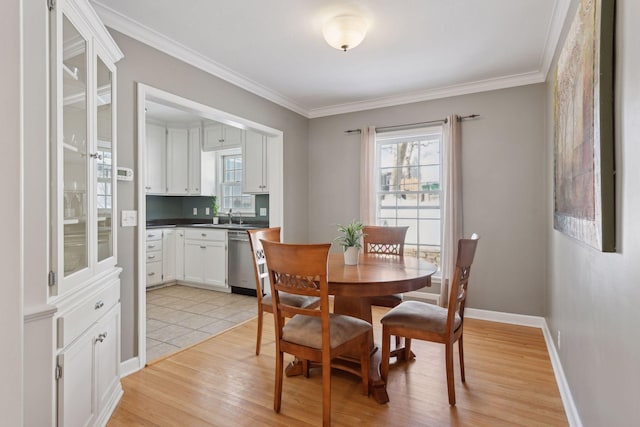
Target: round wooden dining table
pixel 354 285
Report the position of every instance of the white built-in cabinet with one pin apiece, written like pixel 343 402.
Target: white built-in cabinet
pixel 218 136
pixel 178 161
pixel 254 171
pixel 84 282
pixel 168 254
pixel 194 158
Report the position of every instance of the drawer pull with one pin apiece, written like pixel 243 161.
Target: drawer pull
pixel 204 234
pixel 203 247
pixel 98 305
pixel 151 274
pixel 101 337
pixel 149 235
pixel 151 246
pixel 151 256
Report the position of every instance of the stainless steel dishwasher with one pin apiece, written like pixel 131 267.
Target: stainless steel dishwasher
pixel 241 276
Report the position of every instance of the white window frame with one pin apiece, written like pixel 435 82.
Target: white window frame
pixel 397 137
pixel 220 154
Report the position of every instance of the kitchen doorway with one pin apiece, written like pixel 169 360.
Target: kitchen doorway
pixel 147 93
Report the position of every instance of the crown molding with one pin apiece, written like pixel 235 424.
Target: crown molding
pixel 148 36
pixel 431 94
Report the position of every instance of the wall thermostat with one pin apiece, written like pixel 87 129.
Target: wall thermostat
pixel 125 174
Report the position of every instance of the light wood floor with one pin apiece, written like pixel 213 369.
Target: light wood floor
pixel 221 382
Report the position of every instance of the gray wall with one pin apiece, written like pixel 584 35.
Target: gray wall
pixel 593 296
pixel 10 188
pixel 504 196
pixel 146 65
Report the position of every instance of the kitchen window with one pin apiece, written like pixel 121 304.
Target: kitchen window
pixel 230 179
pixel 408 188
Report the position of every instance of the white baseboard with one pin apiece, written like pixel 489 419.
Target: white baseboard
pixel 130 366
pixel 538 322
pixel 565 393
pixel 423 296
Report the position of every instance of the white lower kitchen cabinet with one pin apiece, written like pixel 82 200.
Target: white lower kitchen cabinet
pixel 179 254
pixel 205 258
pixel 168 255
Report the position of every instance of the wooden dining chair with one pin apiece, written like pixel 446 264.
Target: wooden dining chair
pixel 311 334
pixel 387 241
pixel 261 273
pixel 428 322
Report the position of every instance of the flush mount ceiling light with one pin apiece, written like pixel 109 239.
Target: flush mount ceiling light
pixel 345 31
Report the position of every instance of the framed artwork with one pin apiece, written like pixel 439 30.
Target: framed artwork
pixel 584 185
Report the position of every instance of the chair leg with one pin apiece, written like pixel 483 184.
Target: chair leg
pixel 461 354
pixel 386 351
pixel 365 358
pixel 326 390
pixel 449 366
pixel 277 394
pixel 259 333
pixel 407 349
pixel 305 368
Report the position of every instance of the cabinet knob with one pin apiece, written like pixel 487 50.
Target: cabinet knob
pixel 203 247
pixel 221 140
pixel 186 189
pixel 102 336
pixel 98 305
pixel 151 256
pixel 97 156
pixel 204 234
pixel 151 246
pixel 151 274
pixel 197 189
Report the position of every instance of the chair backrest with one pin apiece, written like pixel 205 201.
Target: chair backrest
pixel 259 263
pixel 384 240
pixel 458 295
pixel 301 270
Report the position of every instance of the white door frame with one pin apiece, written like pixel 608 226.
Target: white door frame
pixel 275 170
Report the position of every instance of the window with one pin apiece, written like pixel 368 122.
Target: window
pixel 230 179
pixel 408 188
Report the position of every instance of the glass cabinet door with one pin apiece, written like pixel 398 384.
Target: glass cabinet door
pixel 75 137
pixel 104 164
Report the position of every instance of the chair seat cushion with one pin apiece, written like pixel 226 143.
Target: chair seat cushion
pixel 301 301
pixel 307 330
pixel 420 316
pixel 387 300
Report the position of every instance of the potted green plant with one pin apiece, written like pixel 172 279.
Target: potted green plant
pixel 214 209
pixel 350 241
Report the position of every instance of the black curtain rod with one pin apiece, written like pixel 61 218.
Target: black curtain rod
pixel 411 125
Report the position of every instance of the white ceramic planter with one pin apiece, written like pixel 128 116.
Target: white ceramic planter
pixel 351 255
pixel 215 219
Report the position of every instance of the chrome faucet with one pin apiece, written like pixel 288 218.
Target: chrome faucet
pixel 230 217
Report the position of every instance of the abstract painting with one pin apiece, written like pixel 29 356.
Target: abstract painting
pixel 584 186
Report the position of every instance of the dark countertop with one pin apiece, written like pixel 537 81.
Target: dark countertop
pixel 200 224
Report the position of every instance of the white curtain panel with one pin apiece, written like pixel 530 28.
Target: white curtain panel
pixel 367 175
pixel 451 202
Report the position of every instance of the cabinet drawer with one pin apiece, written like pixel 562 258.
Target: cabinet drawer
pixel 154 245
pixel 80 317
pixel 154 273
pixel 155 234
pixel 154 256
pixel 218 235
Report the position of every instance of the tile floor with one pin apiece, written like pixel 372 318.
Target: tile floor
pixel 178 316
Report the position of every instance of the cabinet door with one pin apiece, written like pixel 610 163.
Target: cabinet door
pixel 194 161
pixel 156 159
pixel 76 393
pixel 232 136
pixel 177 161
pixel 215 266
pixel 213 138
pixel 254 163
pixel 179 255
pixel 168 255
pixel 107 348
pixel 194 260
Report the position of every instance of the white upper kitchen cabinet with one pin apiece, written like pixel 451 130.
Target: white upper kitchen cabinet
pixel 177 161
pixel 254 172
pixel 219 137
pixel 156 159
pixel 195 151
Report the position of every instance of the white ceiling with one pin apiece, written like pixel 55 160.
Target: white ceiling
pixel 414 50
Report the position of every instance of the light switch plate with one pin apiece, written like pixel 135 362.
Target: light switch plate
pixel 129 218
pixel 263 211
